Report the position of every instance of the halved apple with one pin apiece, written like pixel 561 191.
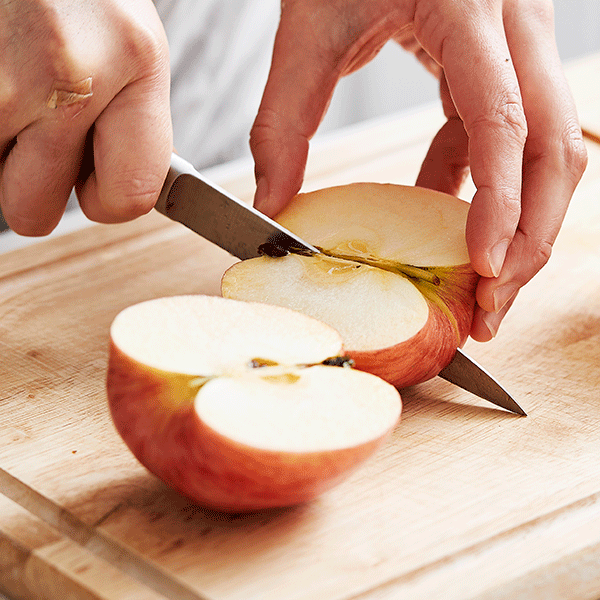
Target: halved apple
pixel 394 277
pixel 236 405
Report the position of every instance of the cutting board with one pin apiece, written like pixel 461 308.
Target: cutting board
pixel 464 501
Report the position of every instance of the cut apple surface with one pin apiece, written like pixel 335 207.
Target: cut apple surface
pixel 229 402
pixel 394 276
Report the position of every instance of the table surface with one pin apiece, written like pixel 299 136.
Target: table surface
pixel 465 501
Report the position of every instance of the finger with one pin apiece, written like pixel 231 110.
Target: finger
pixel 296 96
pixel 485 324
pixel 446 164
pixel 491 109
pixel 38 175
pixel 132 143
pixel 41 152
pixel 554 157
pixel 314 47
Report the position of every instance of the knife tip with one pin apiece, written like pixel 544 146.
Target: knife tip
pixel 513 407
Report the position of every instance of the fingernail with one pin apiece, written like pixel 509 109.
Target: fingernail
pixel 497 256
pixel 503 295
pixel 492 322
pixel 261 196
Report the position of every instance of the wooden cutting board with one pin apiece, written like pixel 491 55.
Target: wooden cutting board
pixel 465 501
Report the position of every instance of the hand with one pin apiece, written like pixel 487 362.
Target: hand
pixel 511 119
pixel 84 101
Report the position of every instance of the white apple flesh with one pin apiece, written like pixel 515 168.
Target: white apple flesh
pixel 228 402
pixel 394 277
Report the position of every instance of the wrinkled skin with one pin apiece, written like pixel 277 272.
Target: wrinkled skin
pixel 77 76
pixel 511 118
pixel 85 103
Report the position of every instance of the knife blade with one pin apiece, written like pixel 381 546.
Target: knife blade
pixel 464 372
pixel 189 198
pixel 192 200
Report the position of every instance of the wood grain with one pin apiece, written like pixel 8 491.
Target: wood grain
pixel 465 501
pixel 44 564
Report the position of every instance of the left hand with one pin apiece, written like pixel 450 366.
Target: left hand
pixel 510 119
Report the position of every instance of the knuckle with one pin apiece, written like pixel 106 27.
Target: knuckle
pixel 508 209
pixel 511 205
pixel 540 253
pixel 574 152
pixel 504 201
pixel 59 50
pixel 262 127
pixel 507 116
pixel 145 45
pixel 270 127
pixel 132 195
pixel 564 150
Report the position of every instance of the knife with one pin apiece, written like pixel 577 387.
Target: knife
pixel 190 199
pixel 464 372
pixel 210 211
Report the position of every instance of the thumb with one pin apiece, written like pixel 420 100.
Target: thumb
pixel 297 93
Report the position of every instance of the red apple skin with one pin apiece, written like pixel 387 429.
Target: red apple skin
pixel 156 418
pixel 425 354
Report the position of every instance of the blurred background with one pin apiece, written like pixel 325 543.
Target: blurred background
pixel 394 81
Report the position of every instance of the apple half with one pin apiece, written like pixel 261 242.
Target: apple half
pixel 241 406
pixel 394 277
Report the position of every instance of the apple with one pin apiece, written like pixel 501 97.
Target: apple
pixel 394 276
pixel 242 406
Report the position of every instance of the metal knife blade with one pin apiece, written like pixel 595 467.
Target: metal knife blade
pixel 464 372
pixel 190 199
pixel 213 213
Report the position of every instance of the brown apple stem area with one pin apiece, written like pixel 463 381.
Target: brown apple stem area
pixel 418 274
pixel 343 361
pixel 441 286
pixel 271 429
pixel 157 418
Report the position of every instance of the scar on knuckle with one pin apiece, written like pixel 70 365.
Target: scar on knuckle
pixel 66 93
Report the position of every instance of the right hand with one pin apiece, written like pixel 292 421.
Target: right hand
pixel 84 102
pixel 511 119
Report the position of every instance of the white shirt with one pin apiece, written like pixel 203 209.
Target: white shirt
pixel 220 56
